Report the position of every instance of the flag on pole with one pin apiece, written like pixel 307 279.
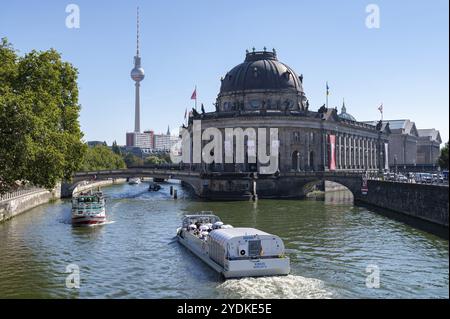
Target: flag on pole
pixel 380 108
pixel 185 113
pixel 328 89
pixel 194 95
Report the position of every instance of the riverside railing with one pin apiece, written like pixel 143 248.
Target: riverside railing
pixel 20 192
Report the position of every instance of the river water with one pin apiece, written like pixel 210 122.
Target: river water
pixel 333 246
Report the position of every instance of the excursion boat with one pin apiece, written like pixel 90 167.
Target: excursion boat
pixel 154 187
pixel 233 252
pixel 134 181
pixel 88 209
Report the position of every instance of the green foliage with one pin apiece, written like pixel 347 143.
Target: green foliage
pixel 443 158
pixel 100 157
pixel 40 136
pixel 158 159
pixel 116 149
pixel 133 160
pixel 154 160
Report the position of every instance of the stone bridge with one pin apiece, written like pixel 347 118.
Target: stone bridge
pixel 231 185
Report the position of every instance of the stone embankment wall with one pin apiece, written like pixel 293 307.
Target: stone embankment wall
pixel 17 205
pixel 422 201
pixel 91 185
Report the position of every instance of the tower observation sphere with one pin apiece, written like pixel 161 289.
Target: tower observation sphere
pixel 137 74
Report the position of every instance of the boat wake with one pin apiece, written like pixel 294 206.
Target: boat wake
pixel 108 222
pixel 284 287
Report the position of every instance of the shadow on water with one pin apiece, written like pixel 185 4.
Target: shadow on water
pixel 429 227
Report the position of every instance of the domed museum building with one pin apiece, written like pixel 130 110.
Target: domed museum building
pixel 263 93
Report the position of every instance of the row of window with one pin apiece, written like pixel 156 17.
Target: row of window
pixel 258 104
pixel 296 136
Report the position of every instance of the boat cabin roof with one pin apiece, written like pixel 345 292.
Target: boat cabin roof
pixel 229 233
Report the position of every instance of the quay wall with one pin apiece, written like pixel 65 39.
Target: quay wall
pixel 69 189
pixel 422 201
pixel 82 188
pixel 18 205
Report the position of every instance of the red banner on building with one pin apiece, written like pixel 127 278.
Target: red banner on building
pixel 332 165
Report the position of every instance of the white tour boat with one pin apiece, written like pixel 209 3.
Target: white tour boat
pixel 134 181
pixel 88 209
pixel 233 252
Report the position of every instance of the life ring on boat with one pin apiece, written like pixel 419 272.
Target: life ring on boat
pixel 242 252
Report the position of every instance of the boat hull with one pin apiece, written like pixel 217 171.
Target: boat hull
pixel 238 268
pixel 257 267
pixel 88 220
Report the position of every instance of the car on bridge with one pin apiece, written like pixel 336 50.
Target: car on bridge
pixel 401 178
pixel 424 178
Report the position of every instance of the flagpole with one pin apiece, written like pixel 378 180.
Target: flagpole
pixel 327 95
pixel 196 97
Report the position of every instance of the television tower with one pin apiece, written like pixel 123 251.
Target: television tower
pixel 137 74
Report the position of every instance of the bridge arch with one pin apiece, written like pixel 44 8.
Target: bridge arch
pixel 352 184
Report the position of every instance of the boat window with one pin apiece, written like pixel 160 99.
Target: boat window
pixel 254 248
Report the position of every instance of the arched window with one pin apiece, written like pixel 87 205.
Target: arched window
pixel 295 164
pixel 311 160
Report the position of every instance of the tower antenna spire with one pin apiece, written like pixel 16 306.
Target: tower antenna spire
pixel 137 32
pixel 137 74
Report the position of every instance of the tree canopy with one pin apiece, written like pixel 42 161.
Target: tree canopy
pixel 133 160
pixel 157 159
pixel 443 158
pixel 100 157
pixel 40 136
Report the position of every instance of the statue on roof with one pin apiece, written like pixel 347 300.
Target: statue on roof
pixel 322 109
pixel 379 125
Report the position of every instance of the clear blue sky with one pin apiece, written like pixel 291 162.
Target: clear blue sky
pixel 403 64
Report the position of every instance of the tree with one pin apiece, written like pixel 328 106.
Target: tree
pixel 100 157
pixel 154 160
pixel 116 149
pixel 133 160
pixel 443 158
pixel 40 136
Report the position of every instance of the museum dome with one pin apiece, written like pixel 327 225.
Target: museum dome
pixel 344 115
pixel 261 71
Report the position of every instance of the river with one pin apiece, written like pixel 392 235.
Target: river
pixel 333 246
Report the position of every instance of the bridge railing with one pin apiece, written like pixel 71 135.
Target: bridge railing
pixel 326 173
pixel 184 170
